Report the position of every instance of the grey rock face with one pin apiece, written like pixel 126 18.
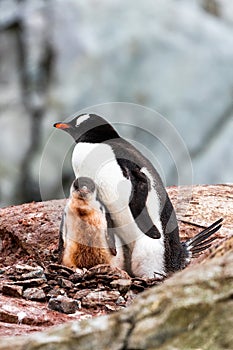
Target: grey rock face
pixel 191 310
pixel 59 57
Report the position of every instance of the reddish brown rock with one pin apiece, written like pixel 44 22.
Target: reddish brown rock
pixel 29 236
pixel 12 291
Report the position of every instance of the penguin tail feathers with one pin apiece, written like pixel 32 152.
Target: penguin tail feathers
pixel 202 240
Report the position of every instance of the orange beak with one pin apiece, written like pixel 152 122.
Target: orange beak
pixel 61 126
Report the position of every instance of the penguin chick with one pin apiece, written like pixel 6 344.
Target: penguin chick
pixel 84 239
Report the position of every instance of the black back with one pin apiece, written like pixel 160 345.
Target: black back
pixel 175 253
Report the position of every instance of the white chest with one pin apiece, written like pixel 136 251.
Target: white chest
pixel 98 162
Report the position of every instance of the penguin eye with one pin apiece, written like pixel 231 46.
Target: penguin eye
pixel 85 188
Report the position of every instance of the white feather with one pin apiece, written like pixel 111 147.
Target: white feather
pixel 148 258
pixel 82 119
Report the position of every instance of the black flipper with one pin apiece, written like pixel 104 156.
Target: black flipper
pixel 110 235
pixel 203 239
pixel 61 240
pixel 140 188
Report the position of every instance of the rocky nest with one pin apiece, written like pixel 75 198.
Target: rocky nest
pixel 36 292
pixel 99 289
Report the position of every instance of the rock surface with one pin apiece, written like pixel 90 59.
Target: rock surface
pixel 29 270
pixel 191 310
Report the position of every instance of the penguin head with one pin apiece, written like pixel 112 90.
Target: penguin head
pixel 84 188
pixel 88 128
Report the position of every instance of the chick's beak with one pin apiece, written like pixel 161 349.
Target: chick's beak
pixel 61 126
pixel 84 192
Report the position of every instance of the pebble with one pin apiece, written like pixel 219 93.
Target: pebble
pixel 34 294
pixel 76 278
pixel 12 290
pixel 64 304
pixel 64 283
pixel 62 270
pixel 33 274
pixel 31 282
pixel 67 290
pixel 81 293
pixel 120 301
pixel 100 297
pixel 55 292
pixel 123 285
pixel 23 268
pixel 52 283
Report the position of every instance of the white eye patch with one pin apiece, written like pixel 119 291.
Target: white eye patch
pixel 82 119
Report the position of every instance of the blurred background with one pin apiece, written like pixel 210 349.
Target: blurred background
pixel 60 57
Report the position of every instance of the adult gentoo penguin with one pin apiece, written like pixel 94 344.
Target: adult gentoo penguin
pixel 133 193
pixel 84 238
